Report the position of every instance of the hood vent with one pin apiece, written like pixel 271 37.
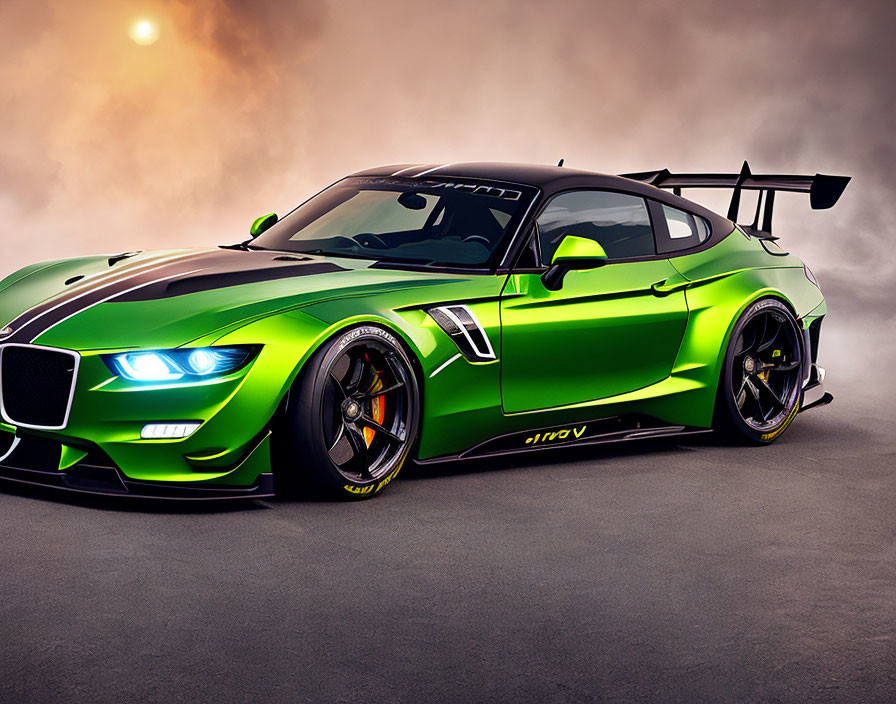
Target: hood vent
pixel 121 257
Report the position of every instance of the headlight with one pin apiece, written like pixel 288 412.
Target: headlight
pixel 173 365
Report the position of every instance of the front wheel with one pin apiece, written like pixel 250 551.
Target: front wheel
pixel 761 383
pixel 352 418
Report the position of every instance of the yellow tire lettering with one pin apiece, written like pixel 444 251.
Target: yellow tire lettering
pixel 790 416
pixel 358 489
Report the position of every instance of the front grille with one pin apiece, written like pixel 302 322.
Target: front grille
pixel 36 385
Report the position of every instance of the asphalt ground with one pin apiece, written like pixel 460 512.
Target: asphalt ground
pixel 662 571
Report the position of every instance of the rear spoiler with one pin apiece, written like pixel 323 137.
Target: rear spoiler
pixel 824 191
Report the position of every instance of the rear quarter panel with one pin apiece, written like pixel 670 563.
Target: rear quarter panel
pixel 726 279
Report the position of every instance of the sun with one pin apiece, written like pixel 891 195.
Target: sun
pixel 144 32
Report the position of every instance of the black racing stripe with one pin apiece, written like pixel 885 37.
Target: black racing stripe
pixel 213 269
pixel 213 281
pixel 46 316
pixel 75 291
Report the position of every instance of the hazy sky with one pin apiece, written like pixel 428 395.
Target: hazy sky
pixel 245 107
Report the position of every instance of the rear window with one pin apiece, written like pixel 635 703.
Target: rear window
pixel 683 230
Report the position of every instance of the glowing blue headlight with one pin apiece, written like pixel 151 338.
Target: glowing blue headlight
pixel 174 365
pixel 146 366
pixel 203 361
pixel 206 361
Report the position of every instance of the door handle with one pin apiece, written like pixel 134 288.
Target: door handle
pixel 674 283
pixel 664 288
pixel 679 283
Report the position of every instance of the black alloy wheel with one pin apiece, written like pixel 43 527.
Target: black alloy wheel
pixel 762 380
pixel 354 414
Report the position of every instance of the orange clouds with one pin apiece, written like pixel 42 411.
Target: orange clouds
pixel 244 107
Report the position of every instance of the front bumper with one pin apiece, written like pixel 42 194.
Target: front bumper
pixel 101 449
pixel 30 459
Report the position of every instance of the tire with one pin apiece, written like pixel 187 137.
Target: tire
pixel 760 388
pixel 352 416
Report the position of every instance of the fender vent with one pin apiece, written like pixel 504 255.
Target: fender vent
pixel 465 330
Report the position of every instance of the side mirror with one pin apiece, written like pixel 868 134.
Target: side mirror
pixel 265 222
pixel 573 254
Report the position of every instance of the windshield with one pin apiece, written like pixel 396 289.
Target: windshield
pixel 403 220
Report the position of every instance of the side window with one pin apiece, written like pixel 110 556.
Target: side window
pixel 684 230
pixel 618 221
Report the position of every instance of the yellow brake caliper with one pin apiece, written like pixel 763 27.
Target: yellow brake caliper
pixel 776 355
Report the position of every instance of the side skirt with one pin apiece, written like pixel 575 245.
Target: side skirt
pixel 596 432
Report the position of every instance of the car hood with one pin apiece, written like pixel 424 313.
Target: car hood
pixel 169 298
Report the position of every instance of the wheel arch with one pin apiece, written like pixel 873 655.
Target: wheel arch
pixel 296 336
pixel 720 421
pixel 772 294
pixel 291 423
pixel 714 310
pixel 760 295
pixel 338 328
pixel 717 370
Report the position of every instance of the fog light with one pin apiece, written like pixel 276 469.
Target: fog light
pixel 168 431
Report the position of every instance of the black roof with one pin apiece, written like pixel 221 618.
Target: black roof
pixel 549 179
pixel 537 175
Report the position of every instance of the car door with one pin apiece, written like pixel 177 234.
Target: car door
pixel 604 332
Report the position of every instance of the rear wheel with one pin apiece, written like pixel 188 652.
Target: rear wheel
pixel 761 384
pixel 352 418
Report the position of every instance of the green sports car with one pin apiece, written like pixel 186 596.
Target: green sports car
pixel 431 312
